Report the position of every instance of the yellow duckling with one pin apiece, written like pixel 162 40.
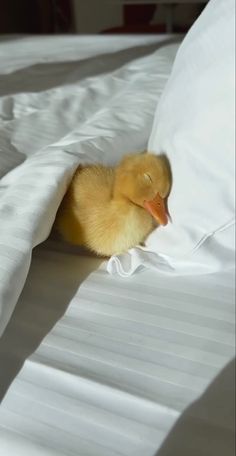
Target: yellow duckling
pixel 111 209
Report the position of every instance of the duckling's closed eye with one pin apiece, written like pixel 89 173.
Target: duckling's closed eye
pixel 148 178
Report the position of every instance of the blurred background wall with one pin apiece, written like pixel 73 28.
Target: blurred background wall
pixel 97 16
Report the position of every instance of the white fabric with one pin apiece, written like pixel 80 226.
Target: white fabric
pixel 126 356
pixel 122 364
pixel 54 115
pixel 195 126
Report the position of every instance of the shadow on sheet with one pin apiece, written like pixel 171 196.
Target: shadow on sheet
pixel 45 76
pixel 207 427
pixel 35 313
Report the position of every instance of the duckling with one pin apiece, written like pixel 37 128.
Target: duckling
pixel 112 209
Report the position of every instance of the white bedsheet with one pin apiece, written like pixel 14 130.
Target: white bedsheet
pixel 127 357
pixel 120 367
pixel 57 115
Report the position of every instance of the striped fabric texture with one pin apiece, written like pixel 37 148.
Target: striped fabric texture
pixel 93 364
pixel 122 366
pixel 57 115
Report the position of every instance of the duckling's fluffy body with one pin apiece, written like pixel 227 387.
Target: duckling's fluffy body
pixel 103 207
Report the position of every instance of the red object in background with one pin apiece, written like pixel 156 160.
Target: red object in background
pixel 136 19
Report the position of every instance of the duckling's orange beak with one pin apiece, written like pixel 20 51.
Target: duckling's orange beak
pixel 157 209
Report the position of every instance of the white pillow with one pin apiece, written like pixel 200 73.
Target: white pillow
pixel 194 126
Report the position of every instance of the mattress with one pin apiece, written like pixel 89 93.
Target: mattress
pixel 95 364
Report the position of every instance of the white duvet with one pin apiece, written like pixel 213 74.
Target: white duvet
pixel 54 115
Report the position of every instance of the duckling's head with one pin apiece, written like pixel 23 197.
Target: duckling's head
pixel 145 180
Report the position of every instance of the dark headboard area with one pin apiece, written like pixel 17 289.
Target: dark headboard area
pixel 98 16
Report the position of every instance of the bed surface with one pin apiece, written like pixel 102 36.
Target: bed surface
pixel 99 365
pixel 120 367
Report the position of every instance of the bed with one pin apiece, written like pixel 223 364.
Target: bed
pixel 122 364
pixel 94 363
